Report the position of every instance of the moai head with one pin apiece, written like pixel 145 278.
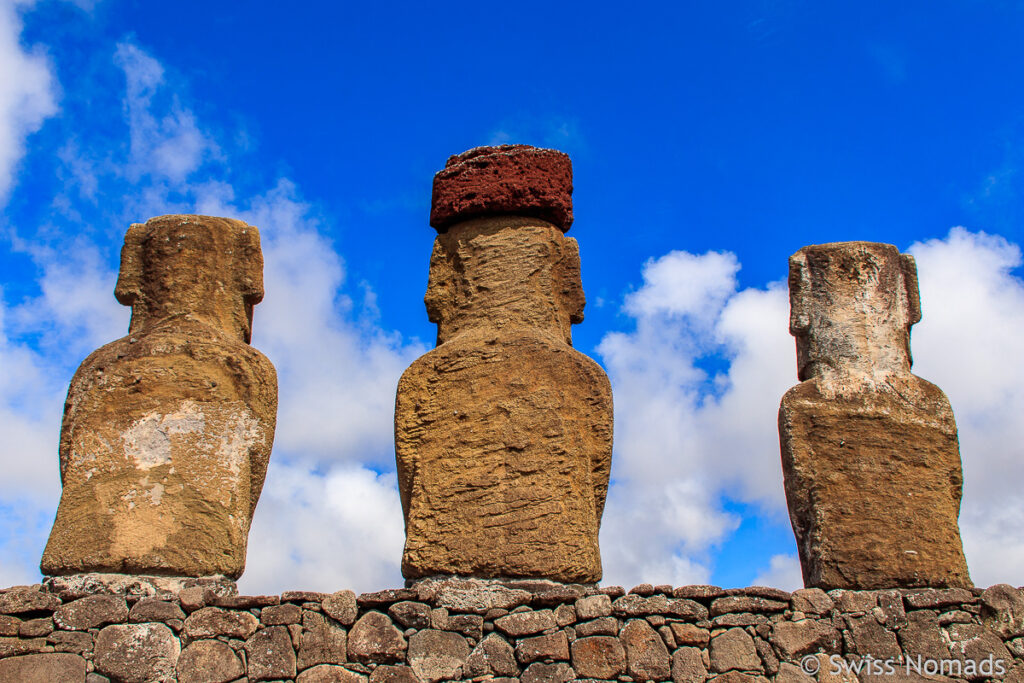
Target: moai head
pixel 851 308
pixel 200 267
pixel 500 258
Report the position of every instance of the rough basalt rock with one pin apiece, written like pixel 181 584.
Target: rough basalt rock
pixel 167 432
pixel 869 451
pixel 503 432
pixel 505 180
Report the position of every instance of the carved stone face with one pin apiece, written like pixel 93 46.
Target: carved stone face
pixel 851 308
pixel 504 271
pixel 209 268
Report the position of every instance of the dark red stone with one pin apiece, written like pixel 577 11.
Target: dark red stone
pixel 508 179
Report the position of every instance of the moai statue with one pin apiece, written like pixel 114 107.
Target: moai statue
pixel 167 432
pixel 869 451
pixel 503 433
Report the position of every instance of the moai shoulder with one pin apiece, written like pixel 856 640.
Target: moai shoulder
pixel 504 431
pixel 167 432
pixel 869 451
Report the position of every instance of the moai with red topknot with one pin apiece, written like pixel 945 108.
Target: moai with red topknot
pixel 503 433
pixel 167 431
pixel 869 451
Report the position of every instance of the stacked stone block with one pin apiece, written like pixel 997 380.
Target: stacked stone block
pixel 500 631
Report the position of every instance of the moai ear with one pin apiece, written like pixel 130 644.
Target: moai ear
pixel 799 287
pixel 250 264
pixel 129 279
pixel 909 268
pixel 440 288
pixel 571 281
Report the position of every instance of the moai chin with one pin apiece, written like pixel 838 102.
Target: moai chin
pixel 869 451
pixel 503 433
pixel 167 431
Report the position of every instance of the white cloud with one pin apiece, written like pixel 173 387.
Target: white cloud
pixel 682 438
pixel 27 92
pixel 783 572
pixel 342 529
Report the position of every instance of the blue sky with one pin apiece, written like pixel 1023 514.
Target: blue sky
pixel 709 142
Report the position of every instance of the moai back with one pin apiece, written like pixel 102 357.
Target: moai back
pixel 167 432
pixel 503 432
pixel 869 451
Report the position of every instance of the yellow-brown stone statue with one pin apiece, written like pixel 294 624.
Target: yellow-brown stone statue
pixel 869 450
pixel 503 433
pixel 167 432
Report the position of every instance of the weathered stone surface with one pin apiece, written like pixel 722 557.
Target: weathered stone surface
pixel 975 642
pixel 374 639
pixel 931 598
pixel 605 626
pixel 526 623
pixel 9 626
pixel 281 615
pixel 270 655
pixel 733 649
pixel 549 647
pixel 209 661
pixel 463 594
pixel 504 431
pixel 744 603
pixel 167 431
pixel 922 636
pixel 70 641
pixel 326 673
pixel 10 647
pixel 303 596
pixel 36 628
pixel 593 606
pixel 890 611
pixel 698 592
pixel 410 614
pixel 646 655
pixel 1002 608
pixel 688 665
pixel 854 601
pixel 688 634
pixel 26 600
pixel 516 180
pixel 136 653
pixel 321 642
pixel 598 657
pixel 565 615
pixel 558 672
pixel 43 668
pixel 437 655
pixel 341 607
pixel 812 601
pixel 795 639
pixel 90 612
pixel 789 673
pixel 392 674
pixel 869 451
pixel 209 622
pixel 867 637
pixel 492 656
pixel 154 609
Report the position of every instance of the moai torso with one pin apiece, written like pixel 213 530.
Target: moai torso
pixel 869 450
pixel 167 432
pixel 503 432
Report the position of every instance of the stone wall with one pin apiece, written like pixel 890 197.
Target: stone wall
pixel 535 631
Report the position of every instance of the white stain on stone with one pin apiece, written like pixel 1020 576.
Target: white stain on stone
pixel 148 440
